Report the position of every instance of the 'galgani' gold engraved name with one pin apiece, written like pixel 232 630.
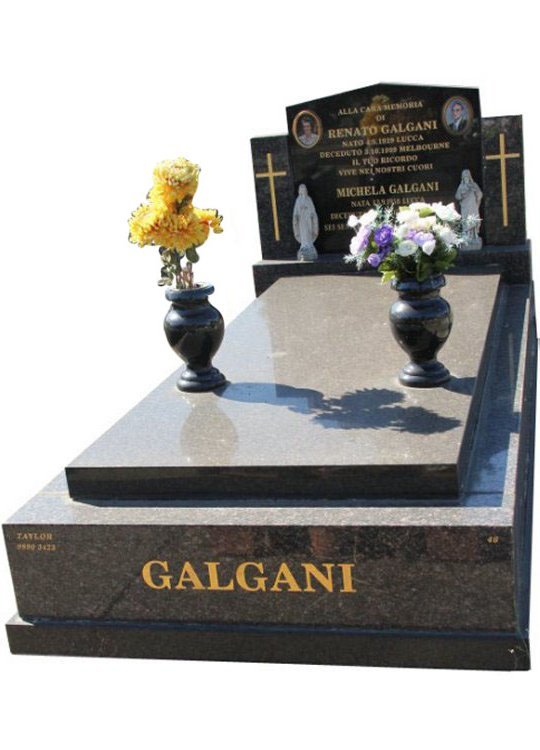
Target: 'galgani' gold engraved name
pixel 363 191
pixel 250 576
pixel 363 131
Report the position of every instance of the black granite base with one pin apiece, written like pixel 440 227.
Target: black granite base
pixel 512 262
pixel 338 646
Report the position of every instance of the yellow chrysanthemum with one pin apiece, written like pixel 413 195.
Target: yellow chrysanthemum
pixel 211 217
pixel 143 223
pixel 169 219
pixel 174 179
pixel 168 197
pixel 180 232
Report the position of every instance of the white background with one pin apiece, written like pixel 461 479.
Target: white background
pixel 94 95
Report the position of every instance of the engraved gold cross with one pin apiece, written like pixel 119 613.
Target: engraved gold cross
pixel 270 174
pixel 502 156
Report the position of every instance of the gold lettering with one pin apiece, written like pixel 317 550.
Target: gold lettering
pixel 213 578
pixel 40 536
pixel 260 584
pixel 360 191
pixel 188 575
pixel 165 580
pixel 415 187
pixel 346 575
pixel 312 571
pixel 248 576
pixel 285 577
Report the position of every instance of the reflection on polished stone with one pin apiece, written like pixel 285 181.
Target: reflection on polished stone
pixel 207 425
pixel 313 407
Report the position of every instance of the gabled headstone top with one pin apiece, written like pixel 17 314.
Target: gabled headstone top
pixel 382 144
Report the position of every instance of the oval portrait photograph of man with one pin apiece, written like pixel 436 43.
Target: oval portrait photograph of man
pixel 457 115
pixel 307 128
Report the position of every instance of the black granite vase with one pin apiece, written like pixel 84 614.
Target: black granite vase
pixel 421 321
pixel 194 329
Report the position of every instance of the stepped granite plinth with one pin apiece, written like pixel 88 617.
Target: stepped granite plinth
pixel 313 510
pixel 313 408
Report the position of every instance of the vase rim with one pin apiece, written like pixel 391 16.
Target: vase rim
pixel 436 281
pixel 200 291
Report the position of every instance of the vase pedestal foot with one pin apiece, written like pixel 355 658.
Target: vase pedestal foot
pixel 200 380
pixel 424 375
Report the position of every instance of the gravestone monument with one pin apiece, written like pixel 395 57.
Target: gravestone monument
pixel 313 509
pixel 391 143
pixel 380 145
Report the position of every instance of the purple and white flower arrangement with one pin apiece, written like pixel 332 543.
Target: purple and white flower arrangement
pixel 410 242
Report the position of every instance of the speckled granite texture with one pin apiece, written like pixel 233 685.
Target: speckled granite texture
pixel 313 408
pixel 503 209
pixel 512 262
pixel 434 585
pixel 431 584
pixel 272 173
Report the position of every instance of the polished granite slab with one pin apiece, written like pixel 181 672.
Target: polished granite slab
pixel 346 647
pixel 313 407
pixel 444 586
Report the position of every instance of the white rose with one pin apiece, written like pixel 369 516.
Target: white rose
pixel 428 247
pixel 401 230
pixel 353 221
pixel 446 234
pixel 407 216
pixel 368 217
pixel 407 247
pixel 446 213
pixel 425 224
pixel 355 245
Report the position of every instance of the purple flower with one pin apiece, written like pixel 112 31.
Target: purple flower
pixel 383 251
pixel 384 235
pixel 422 237
pixel 374 260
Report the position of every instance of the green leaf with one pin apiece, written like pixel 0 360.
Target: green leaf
pixel 192 255
pixel 388 276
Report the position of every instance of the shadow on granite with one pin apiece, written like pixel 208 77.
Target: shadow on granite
pixel 369 408
pixel 460 385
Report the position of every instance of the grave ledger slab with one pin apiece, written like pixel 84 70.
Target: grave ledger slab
pixel 320 373
pixel 375 578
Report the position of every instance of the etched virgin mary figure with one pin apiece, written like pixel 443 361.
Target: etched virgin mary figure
pixel 469 196
pixel 305 225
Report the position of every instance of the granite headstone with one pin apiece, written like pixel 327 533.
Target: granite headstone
pixel 504 201
pixel 382 144
pixel 315 510
pixel 274 190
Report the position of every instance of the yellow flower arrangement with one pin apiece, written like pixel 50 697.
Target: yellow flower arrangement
pixel 171 221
